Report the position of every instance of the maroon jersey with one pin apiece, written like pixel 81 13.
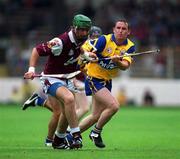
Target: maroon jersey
pixel 81 77
pixel 63 62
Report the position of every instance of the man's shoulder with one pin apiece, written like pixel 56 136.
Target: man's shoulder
pixel 131 43
pixel 106 37
pixel 63 35
pixel 65 38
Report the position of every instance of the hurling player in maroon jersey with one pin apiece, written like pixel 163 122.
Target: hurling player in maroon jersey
pixel 82 106
pixel 62 52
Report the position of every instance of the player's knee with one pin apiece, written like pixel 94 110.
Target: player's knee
pixel 69 100
pixel 57 113
pixel 114 107
pixel 56 116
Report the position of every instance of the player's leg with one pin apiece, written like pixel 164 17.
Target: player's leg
pixel 82 105
pixel 69 116
pixel 93 117
pixel 53 104
pixel 110 103
pixel 105 99
pixel 60 141
pixel 67 97
pixel 61 90
pixel 47 105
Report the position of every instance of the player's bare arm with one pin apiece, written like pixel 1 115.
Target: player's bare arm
pixel 32 63
pixel 122 64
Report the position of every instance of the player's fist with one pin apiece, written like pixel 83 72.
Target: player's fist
pixel 53 42
pixel 29 75
pixel 115 58
pixel 90 56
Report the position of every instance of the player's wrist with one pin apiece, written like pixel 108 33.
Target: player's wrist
pixel 89 56
pixel 31 69
pixel 85 56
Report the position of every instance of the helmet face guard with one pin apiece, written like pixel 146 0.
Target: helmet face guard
pixel 82 22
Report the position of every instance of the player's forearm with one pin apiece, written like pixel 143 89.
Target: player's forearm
pixel 32 63
pixel 34 58
pixel 123 65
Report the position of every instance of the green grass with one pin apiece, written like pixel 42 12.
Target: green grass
pixel 133 133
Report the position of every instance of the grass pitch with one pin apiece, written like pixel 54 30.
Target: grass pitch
pixel 133 133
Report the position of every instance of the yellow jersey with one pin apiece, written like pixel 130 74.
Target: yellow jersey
pixel 106 46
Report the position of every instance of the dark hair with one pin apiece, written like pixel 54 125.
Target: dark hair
pixel 124 21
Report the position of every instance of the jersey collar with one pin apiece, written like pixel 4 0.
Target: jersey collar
pixel 114 39
pixel 71 37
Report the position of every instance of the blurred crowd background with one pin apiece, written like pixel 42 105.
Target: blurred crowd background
pixel 154 24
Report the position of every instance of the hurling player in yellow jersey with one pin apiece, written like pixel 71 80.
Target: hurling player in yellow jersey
pixel 106 49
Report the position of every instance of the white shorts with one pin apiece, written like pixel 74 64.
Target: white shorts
pixel 50 85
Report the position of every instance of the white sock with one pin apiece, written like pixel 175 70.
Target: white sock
pixel 60 135
pixel 74 130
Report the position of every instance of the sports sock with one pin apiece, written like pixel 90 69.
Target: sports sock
pixel 60 135
pixel 39 101
pixel 97 130
pixel 68 130
pixel 75 130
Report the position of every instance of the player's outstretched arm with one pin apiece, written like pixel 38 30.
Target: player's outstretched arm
pixel 122 64
pixel 32 63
